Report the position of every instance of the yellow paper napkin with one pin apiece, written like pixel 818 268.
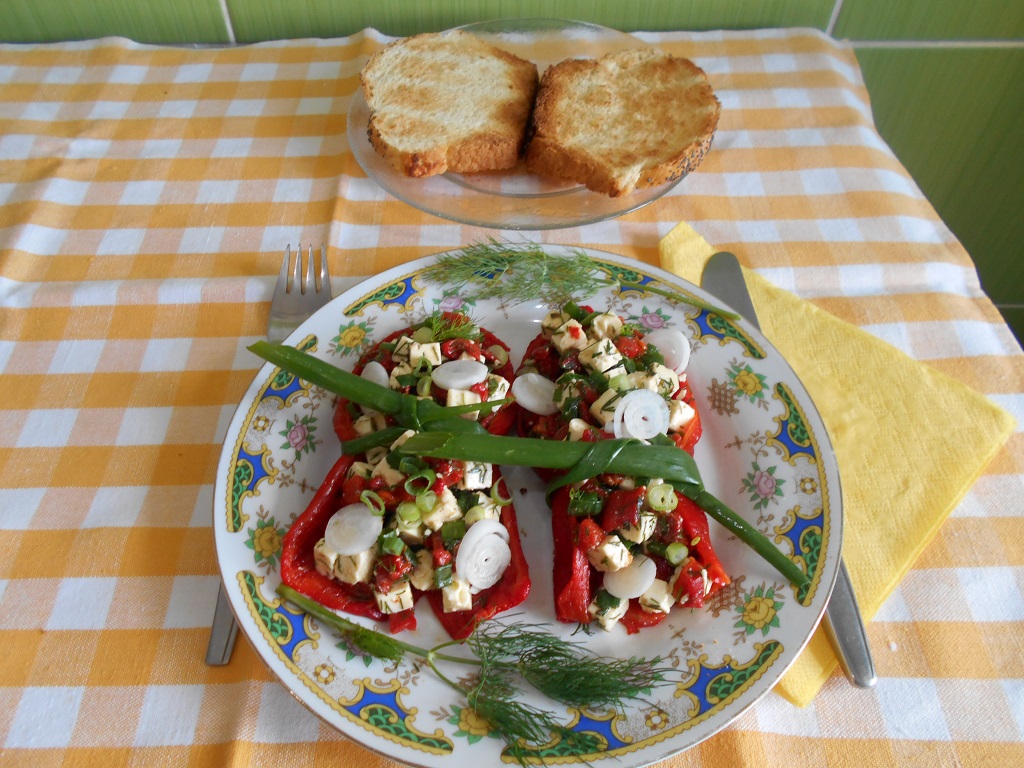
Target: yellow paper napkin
pixel 901 468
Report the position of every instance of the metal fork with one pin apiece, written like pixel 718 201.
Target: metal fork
pixel 297 295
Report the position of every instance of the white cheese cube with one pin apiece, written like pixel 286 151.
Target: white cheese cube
pixel 402 369
pixel 457 595
pixel 390 475
pixel 552 321
pixel 610 555
pixel 431 352
pixel 643 530
pixel 324 557
pixel 376 454
pixel 369 423
pixel 399 598
pixel 570 335
pixel 658 597
pixel 464 397
pixel 608 617
pixel 601 355
pixel 445 508
pixel 360 469
pixel 603 408
pixel 354 569
pixel 475 475
pixel 662 380
pixel 497 387
pixel 606 326
pixel 400 440
pixel 411 533
pixel 422 576
pixel 485 508
pixel 679 415
pixel 402 347
pixel 577 429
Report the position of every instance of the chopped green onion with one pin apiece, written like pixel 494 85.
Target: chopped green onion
pixel 420 482
pixel 620 382
pixel 373 501
pixel 676 552
pixel 500 354
pixel 585 503
pixel 498 498
pixel 443 576
pixel 423 386
pixel 475 515
pixel 408 512
pixel 426 501
pixel 422 367
pixel 662 498
pixel 390 544
pixel 423 335
pixel 452 532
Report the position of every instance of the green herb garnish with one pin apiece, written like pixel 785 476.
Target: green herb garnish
pixel 504 656
pixel 528 273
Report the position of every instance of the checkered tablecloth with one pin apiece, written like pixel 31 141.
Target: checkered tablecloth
pixel 146 196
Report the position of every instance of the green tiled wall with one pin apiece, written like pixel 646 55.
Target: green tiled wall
pixel 263 19
pixel 944 75
pixel 150 21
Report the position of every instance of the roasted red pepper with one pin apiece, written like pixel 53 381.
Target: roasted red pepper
pixel 510 591
pixel 298 564
pixel 572 581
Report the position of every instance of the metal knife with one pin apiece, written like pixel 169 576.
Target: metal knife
pixel 843 624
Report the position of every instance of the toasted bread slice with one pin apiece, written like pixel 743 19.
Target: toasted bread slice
pixel 636 118
pixel 448 101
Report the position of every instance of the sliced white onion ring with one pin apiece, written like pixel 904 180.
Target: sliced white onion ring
pixel 633 580
pixel 673 345
pixel 459 374
pixel 535 393
pixel 377 373
pixel 484 554
pixel 353 529
pixel 641 414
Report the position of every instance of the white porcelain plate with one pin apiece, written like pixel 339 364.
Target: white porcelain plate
pixel 764 452
pixel 516 199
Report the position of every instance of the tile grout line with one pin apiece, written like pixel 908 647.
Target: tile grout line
pixel 836 10
pixel 975 44
pixel 227 22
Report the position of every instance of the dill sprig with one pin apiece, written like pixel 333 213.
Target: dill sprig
pixel 504 655
pixel 517 273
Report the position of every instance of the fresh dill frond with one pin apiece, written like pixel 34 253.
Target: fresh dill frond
pixel 444 326
pixel 516 273
pixel 563 670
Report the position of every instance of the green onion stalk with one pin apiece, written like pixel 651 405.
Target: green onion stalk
pixel 441 435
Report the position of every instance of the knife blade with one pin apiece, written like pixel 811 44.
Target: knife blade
pixel 843 624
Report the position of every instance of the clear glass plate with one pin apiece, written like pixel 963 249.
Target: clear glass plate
pixel 516 199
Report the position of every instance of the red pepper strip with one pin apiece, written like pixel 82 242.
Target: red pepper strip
pixel 690 584
pixel 695 526
pixel 622 508
pixel 510 591
pixel 636 618
pixel 572 584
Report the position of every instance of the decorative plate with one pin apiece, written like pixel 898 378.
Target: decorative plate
pixel 516 199
pixel 764 452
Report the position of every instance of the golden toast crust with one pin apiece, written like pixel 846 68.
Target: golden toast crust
pixel 628 120
pixel 448 102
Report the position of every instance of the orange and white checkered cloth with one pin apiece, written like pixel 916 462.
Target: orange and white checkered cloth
pixel 146 196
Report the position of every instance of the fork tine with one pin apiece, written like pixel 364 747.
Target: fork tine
pixel 296 279
pixel 282 276
pixel 325 273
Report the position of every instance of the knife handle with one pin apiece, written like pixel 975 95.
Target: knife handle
pixel 851 645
